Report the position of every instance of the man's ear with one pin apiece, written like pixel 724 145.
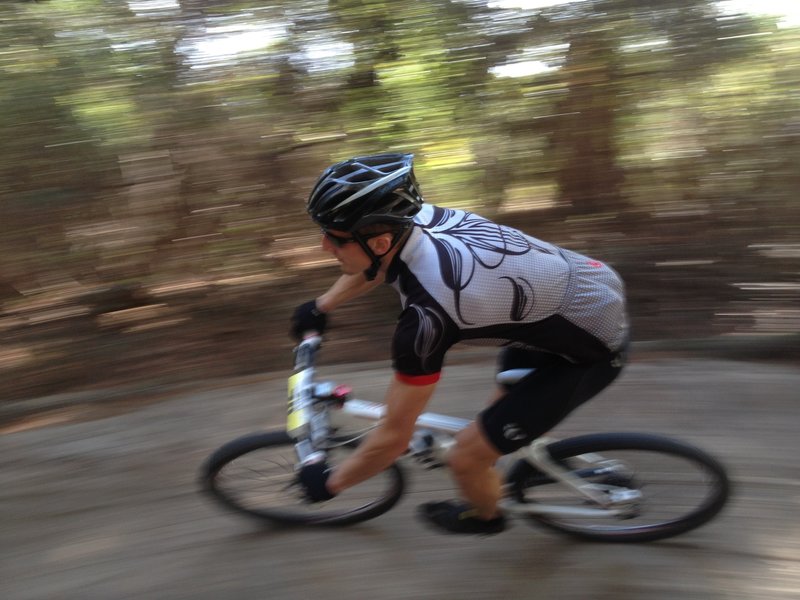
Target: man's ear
pixel 380 244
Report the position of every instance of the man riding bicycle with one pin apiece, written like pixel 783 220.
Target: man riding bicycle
pixel 461 278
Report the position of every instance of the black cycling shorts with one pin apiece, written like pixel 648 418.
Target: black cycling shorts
pixel 541 400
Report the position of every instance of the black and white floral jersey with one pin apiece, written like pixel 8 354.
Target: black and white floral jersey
pixel 463 278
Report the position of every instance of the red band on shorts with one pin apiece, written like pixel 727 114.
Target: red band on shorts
pixel 418 379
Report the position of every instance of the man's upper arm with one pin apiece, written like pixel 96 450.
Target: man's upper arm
pixel 421 339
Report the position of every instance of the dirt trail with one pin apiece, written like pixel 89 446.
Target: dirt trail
pixel 108 508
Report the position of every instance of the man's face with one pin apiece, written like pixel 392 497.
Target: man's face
pixel 351 256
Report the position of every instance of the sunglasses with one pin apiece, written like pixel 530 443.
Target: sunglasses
pixel 335 239
pixel 339 241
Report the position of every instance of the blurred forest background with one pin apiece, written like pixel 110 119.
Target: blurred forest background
pixel 155 157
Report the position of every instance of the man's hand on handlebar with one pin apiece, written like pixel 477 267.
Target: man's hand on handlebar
pixel 307 317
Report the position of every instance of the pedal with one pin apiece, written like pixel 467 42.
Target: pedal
pixel 422 448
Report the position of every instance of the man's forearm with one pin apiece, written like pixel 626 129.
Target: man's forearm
pixel 388 441
pixel 345 288
pixel 378 452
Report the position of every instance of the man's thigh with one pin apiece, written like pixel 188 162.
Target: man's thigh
pixel 540 401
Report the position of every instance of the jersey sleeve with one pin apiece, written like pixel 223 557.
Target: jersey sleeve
pixel 421 339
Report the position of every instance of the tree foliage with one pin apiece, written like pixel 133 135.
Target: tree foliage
pixel 148 142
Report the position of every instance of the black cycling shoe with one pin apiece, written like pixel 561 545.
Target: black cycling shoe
pixel 459 517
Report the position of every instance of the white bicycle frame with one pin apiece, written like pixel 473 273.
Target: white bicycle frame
pixel 359 416
pixel 607 504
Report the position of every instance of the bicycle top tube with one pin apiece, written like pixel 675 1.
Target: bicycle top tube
pixel 374 411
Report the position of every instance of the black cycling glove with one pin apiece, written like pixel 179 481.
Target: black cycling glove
pixel 314 478
pixel 307 317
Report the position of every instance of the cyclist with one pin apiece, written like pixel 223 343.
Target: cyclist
pixel 461 278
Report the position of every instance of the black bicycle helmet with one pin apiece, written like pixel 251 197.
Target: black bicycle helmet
pixel 380 188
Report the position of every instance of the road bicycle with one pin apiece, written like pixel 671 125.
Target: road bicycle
pixel 615 487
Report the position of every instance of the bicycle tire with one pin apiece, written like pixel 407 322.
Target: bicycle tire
pixel 255 475
pixel 710 485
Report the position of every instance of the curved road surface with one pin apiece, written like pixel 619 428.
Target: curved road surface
pixel 107 508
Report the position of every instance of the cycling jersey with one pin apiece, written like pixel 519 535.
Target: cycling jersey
pixel 463 278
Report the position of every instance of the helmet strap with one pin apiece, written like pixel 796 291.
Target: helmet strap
pixel 371 272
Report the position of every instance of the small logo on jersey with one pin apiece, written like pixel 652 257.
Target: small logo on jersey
pixel 595 263
pixel 513 432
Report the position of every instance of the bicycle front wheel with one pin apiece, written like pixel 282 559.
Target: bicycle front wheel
pixel 667 487
pixel 255 475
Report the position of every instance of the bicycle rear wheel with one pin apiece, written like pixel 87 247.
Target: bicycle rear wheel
pixel 672 487
pixel 255 475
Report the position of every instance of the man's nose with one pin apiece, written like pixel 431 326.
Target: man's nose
pixel 326 244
